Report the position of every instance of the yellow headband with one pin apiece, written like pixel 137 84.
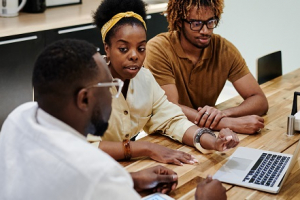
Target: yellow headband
pixel 108 25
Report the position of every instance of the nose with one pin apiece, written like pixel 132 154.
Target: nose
pixel 133 55
pixel 204 29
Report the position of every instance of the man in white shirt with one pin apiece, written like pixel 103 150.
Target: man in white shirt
pixel 43 151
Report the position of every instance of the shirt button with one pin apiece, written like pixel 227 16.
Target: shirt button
pixel 127 135
pixel 125 112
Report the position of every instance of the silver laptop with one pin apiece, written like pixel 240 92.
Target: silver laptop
pixel 257 169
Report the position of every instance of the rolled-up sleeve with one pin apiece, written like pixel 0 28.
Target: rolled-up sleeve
pixel 167 117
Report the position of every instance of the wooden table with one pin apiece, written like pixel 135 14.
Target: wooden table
pixel 279 93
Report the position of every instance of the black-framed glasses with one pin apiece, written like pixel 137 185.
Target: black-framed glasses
pixel 115 87
pixel 197 25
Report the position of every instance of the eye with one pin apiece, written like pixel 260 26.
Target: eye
pixel 142 49
pixel 197 23
pixel 212 23
pixel 123 49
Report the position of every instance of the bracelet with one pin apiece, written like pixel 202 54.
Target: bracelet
pixel 127 152
pixel 199 133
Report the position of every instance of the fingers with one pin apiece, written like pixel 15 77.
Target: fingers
pixel 208 117
pixel 167 180
pixel 208 178
pixel 162 178
pixel 227 139
pixel 188 159
pixel 184 158
pixel 198 116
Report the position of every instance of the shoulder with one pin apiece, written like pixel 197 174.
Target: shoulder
pixel 160 38
pixel 166 40
pixel 145 76
pixel 220 43
pixel 20 116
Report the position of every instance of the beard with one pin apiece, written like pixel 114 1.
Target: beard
pixel 97 125
pixel 199 46
pixel 97 129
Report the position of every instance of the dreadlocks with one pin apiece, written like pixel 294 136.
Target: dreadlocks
pixel 179 9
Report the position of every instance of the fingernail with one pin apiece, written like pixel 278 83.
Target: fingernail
pixel 196 161
pixel 228 138
pixel 191 161
pixel 175 177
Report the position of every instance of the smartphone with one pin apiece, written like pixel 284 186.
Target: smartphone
pixel 157 196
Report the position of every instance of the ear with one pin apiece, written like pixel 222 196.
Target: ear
pixel 82 100
pixel 179 23
pixel 107 51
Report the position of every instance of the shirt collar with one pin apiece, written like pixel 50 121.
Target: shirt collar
pixel 48 121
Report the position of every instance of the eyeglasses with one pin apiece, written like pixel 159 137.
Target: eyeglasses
pixel 115 87
pixel 197 25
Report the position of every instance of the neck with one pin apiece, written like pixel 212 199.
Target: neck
pixel 66 114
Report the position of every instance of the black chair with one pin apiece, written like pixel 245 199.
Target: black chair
pixel 269 67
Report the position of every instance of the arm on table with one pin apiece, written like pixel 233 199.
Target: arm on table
pixel 143 148
pixel 217 119
pixel 255 101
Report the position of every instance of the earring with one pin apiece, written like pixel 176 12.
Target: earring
pixel 106 58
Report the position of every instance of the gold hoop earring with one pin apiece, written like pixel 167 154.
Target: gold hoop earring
pixel 106 58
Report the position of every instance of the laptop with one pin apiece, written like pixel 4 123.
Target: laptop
pixel 257 169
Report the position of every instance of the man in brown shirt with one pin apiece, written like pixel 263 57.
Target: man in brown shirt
pixel 192 65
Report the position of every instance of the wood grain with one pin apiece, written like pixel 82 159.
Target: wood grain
pixel 273 137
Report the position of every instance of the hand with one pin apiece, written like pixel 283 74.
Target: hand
pixel 210 190
pixel 249 124
pixel 158 178
pixel 166 155
pixel 208 117
pixel 227 139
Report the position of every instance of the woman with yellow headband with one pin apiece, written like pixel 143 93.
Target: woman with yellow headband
pixel 142 103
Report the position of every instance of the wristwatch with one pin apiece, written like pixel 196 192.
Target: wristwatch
pixel 197 136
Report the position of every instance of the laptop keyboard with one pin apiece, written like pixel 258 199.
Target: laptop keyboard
pixel 267 169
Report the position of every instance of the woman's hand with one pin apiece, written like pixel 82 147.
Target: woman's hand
pixel 227 139
pixel 166 155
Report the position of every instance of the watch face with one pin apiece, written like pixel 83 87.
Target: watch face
pixel 197 138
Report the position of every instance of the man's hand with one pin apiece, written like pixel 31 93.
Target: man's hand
pixel 166 155
pixel 227 139
pixel 208 117
pixel 248 124
pixel 158 179
pixel 210 190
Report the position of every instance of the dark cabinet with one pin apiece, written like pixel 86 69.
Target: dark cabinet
pixel 156 23
pixel 86 32
pixel 17 56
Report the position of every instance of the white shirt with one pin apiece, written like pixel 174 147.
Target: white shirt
pixel 43 158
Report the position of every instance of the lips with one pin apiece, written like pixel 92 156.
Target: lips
pixel 134 67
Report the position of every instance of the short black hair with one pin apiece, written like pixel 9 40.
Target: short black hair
pixel 64 68
pixel 109 8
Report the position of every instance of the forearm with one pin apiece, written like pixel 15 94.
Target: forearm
pixel 190 113
pixel 116 149
pixel 254 105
